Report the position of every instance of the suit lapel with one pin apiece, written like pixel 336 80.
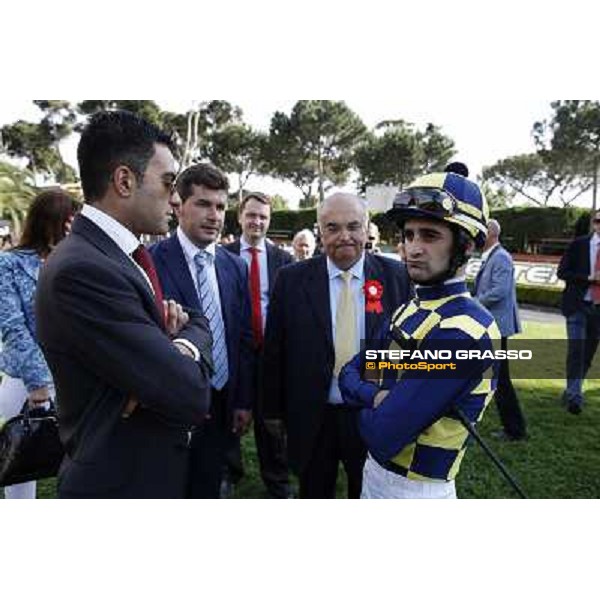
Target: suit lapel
pixel 479 276
pixel 94 235
pixel 272 265
pixel 373 320
pixel 316 291
pixel 586 255
pixel 175 263
pixel 224 275
pixel 482 268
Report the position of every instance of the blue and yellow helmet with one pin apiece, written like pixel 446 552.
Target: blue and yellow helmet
pixel 444 196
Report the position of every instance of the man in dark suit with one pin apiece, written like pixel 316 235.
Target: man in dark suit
pixel 264 261
pixel 131 371
pixel 580 269
pixel 197 273
pixel 320 309
pixel 496 290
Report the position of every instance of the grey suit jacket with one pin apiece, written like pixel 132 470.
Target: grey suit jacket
pixel 496 290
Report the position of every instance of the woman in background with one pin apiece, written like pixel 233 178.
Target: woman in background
pixel 25 373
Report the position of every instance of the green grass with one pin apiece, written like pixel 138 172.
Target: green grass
pixel 542 331
pixel 561 458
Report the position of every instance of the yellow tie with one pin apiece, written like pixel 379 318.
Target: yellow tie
pixel 345 325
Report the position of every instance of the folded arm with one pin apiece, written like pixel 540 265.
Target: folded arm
pixel 105 325
pixel 416 401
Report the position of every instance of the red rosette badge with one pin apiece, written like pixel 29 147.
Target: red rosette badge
pixel 373 291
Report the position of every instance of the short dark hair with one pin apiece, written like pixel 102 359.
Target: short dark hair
pixel 258 196
pixel 45 222
pixel 201 174
pixel 113 138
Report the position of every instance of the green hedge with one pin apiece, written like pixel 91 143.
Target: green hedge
pixel 540 296
pixel 520 225
pixel 289 221
pixel 523 224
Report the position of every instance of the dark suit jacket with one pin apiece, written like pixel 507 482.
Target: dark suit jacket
pixel 276 258
pixel 299 351
pixel 102 335
pixel 574 269
pixel 232 276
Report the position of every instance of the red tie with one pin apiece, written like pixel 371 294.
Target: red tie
pixel 142 257
pixel 255 298
pixel 596 286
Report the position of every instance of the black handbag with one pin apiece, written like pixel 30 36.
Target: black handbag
pixel 30 448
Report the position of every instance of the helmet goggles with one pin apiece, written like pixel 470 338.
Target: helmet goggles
pixel 436 202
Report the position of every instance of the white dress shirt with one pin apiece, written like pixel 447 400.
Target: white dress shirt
pixel 128 243
pixel 118 233
pixel 189 251
pixel 484 255
pixel 263 272
pixel 335 289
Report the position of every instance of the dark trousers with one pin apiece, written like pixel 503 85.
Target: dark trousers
pixel 337 441
pixel 272 459
pixel 509 409
pixel 583 330
pixel 208 449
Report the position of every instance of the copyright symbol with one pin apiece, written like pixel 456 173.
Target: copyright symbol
pixel 370 365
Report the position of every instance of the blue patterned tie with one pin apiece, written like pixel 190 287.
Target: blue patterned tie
pixel 213 314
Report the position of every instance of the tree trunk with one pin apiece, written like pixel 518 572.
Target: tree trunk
pixel 595 186
pixel 16 224
pixel 320 171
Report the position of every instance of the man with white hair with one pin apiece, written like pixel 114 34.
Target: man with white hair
pixel 495 289
pixel 304 244
pixel 320 310
pixel 374 239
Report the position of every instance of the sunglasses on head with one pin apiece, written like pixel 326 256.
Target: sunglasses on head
pixel 431 200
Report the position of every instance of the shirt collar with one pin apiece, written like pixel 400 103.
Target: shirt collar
pixel 453 280
pixel 450 287
pixel 356 269
pixel 190 249
pixel 484 255
pixel 117 232
pixel 244 245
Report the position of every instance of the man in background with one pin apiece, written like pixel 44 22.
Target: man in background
pixel 196 272
pixel 580 269
pixel 374 239
pixel 264 260
pixel 496 290
pixel 303 244
pixel 320 310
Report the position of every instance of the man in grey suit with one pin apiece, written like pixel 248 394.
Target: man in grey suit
pixel 495 289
